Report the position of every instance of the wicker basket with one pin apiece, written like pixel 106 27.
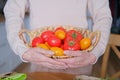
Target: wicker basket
pixel 94 36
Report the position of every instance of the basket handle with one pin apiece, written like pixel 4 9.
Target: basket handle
pixel 22 37
pixel 97 33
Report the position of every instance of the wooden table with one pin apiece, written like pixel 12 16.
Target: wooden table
pixel 49 76
pixel 46 76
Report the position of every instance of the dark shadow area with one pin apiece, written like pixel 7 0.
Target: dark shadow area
pixel 115 10
pixel 2 4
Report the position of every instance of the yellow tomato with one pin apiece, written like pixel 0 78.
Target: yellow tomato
pixel 47 45
pixel 58 51
pixel 44 46
pixel 60 34
pixel 85 43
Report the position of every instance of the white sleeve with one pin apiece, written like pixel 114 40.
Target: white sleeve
pixel 102 21
pixel 14 12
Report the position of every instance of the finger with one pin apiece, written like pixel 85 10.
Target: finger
pixel 80 63
pixel 74 53
pixel 75 65
pixel 43 58
pixel 38 58
pixel 43 51
pixel 35 56
pixel 54 62
pixel 51 66
pixel 71 60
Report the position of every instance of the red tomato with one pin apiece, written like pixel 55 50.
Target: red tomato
pixel 53 41
pixel 46 34
pixel 73 34
pixel 36 41
pixel 71 45
pixel 67 38
pixel 60 28
pixel 62 46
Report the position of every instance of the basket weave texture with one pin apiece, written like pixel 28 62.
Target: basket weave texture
pixel 94 36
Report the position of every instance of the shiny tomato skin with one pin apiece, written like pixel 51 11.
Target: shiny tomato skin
pixel 71 45
pixel 46 34
pixel 57 51
pixel 70 33
pixel 53 41
pixel 67 38
pixel 60 34
pixel 85 43
pixel 73 34
pixel 36 41
pixel 44 46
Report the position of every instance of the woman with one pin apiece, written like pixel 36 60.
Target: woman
pixel 58 12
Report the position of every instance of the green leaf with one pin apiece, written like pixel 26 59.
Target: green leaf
pixel 16 76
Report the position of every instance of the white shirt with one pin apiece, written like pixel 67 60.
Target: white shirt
pixel 57 12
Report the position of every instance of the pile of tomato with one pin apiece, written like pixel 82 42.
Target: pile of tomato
pixel 60 39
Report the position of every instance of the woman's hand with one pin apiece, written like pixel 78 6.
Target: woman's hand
pixel 39 56
pixel 80 59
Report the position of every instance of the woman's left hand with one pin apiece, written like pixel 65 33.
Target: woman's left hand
pixel 80 59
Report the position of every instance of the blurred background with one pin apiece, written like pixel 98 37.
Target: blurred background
pixel 8 60
pixel 11 62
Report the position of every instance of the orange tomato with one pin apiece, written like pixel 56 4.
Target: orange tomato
pixel 60 34
pixel 44 46
pixel 58 51
pixel 85 43
pixel 47 45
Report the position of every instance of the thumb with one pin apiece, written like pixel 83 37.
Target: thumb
pixel 73 53
pixel 44 51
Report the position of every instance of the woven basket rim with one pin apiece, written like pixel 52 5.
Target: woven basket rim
pixel 85 32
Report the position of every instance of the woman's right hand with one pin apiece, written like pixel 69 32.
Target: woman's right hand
pixel 40 57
